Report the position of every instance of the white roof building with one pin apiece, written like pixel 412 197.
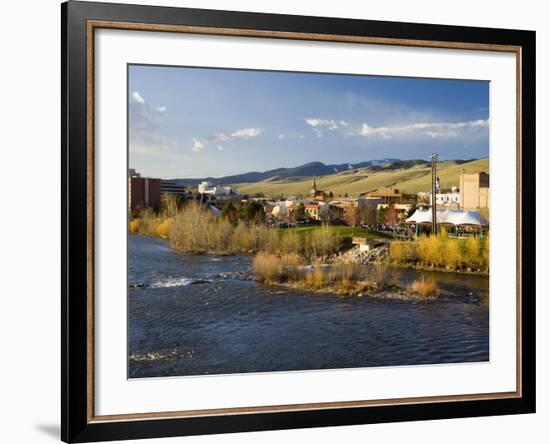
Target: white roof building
pixel 448 217
pixel 279 210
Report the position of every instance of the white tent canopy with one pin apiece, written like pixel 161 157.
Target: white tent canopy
pixel 214 210
pixel 448 217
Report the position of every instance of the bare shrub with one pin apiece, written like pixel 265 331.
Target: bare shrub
pixel 266 267
pixel 322 242
pixel 425 287
pixel 290 242
pixel 134 226
pixel 403 252
pixel 163 228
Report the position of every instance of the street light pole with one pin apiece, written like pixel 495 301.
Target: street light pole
pixel 434 180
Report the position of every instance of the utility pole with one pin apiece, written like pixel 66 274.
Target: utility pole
pixel 434 183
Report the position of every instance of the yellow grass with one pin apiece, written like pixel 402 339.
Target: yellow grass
pixel 448 173
pixel 266 267
pixel 354 182
pixel 402 252
pixel 273 269
pixel 291 242
pixel 425 287
pixel 163 228
pixel 146 224
pixel 134 226
pixel 291 260
pixel 322 242
pixel 194 229
pixel 443 252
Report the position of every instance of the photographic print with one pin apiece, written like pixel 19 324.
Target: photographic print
pixel 274 222
pixel 292 221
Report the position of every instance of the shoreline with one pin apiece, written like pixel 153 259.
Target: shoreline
pixel 361 289
pixel 337 258
pixel 336 278
pixel 380 256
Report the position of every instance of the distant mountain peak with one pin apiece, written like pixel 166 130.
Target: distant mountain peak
pixel 310 169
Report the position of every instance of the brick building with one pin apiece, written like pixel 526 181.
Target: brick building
pixel 143 192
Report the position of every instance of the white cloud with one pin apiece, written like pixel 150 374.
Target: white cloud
pixel 241 134
pixel 281 136
pixel 198 145
pixel 368 131
pixel 136 97
pixel 220 137
pixel 320 126
pixel 246 133
pixel 316 122
pixel 161 109
pixel 433 130
pixel 441 134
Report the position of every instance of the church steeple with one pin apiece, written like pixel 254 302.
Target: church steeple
pixel 313 188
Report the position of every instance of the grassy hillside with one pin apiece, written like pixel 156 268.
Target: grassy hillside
pixel 355 182
pixel 448 175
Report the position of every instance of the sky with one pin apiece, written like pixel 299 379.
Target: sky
pixel 203 122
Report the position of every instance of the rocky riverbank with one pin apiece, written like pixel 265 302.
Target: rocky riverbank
pixel 380 255
pixel 364 289
pixel 355 256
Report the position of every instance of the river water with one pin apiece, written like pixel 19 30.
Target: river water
pixel 183 321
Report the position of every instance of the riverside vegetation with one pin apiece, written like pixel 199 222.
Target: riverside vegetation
pixel 194 229
pixel 283 255
pixel 345 279
pixel 442 251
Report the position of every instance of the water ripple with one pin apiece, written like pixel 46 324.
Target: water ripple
pixel 176 328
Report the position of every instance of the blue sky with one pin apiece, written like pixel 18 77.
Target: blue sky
pixel 195 122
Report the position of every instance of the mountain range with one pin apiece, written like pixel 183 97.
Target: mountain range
pixel 311 169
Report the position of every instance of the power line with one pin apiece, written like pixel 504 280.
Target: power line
pixel 434 186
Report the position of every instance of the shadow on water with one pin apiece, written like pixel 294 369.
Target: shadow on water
pixel 184 322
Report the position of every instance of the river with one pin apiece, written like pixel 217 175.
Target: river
pixel 183 321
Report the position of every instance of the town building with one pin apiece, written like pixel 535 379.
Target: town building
pixel 313 211
pixel 401 209
pixel 316 194
pixel 206 187
pixel 448 198
pixel 350 205
pixel 172 187
pixel 392 195
pixel 474 190
pixel 451 199
pixel 335 213
pixel 143 192
pixel 280 210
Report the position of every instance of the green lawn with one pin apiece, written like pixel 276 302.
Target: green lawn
pixel 342 231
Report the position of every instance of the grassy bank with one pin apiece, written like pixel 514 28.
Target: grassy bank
pixel 442 252
pixel 344 279
pixel 195 229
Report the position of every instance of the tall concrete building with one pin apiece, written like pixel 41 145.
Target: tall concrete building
pixel 474 190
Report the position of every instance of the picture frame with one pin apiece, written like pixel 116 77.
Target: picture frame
pixel 80 21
